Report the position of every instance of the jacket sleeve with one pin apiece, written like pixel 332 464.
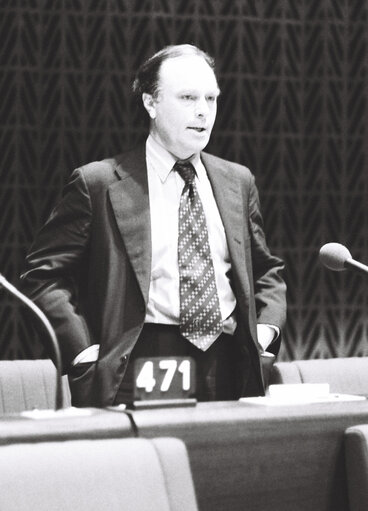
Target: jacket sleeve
pixel 269 286
pixel 53 264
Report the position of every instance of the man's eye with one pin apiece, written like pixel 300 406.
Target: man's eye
pixel 188 97
pixel 211 99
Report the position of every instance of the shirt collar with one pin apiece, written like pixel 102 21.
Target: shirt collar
pixel 162 161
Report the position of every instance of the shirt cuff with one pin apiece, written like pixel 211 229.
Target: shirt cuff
pixel 90 354
pixel 264 338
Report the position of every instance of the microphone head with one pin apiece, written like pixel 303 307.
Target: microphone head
pixel 334 256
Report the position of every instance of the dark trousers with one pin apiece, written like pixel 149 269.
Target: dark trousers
pixel 216 373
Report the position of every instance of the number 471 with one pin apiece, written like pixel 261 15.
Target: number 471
pixel 145 379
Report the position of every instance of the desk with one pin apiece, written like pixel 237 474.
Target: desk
pixel 96 423
pixel 262 458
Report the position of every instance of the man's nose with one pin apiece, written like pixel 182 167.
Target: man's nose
pixel 201 107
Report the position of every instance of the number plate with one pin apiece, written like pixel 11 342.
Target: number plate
pixel 164 378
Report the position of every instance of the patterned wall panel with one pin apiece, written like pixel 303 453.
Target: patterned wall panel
pixel 293 108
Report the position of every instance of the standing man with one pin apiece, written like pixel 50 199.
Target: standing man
pixel 161 252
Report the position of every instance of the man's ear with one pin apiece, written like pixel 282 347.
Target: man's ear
pixel 149 104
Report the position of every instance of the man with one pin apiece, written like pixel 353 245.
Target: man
pixel 161 252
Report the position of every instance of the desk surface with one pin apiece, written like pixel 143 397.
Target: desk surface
pixel 262 458
pixel 90 423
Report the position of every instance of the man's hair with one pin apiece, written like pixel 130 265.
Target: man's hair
pixel 147 76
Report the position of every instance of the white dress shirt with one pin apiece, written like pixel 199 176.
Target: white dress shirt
pixel 165 188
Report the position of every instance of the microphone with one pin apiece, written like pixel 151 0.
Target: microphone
pixel 36 310
pixel 337 257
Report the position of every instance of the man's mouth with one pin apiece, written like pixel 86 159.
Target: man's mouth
pixel 199 130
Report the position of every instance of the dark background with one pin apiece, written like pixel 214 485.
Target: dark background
pixel 293 108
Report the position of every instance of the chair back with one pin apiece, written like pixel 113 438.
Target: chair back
pixel 29 384
pixel 344 375
pixel 356 456
pixel 97 475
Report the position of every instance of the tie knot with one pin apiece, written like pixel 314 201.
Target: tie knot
pixel 186 171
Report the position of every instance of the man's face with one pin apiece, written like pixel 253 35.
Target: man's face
pixel 184 111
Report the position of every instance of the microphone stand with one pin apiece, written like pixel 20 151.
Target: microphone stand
pixel 51 333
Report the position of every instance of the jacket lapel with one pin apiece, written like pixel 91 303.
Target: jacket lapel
pixel 130 203
pixel 227 192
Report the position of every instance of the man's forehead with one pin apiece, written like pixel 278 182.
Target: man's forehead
pixel 186 70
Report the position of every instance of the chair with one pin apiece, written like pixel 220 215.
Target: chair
pixel 345 375
pixel 29 384
pixel 134 474
pixel 356 453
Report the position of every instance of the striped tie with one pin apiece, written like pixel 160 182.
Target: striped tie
pixel 200 315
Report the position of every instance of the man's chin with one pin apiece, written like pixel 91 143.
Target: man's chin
pixel 188 150
pixel 198 147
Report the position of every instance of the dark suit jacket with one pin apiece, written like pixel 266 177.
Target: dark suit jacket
pixel 89 268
